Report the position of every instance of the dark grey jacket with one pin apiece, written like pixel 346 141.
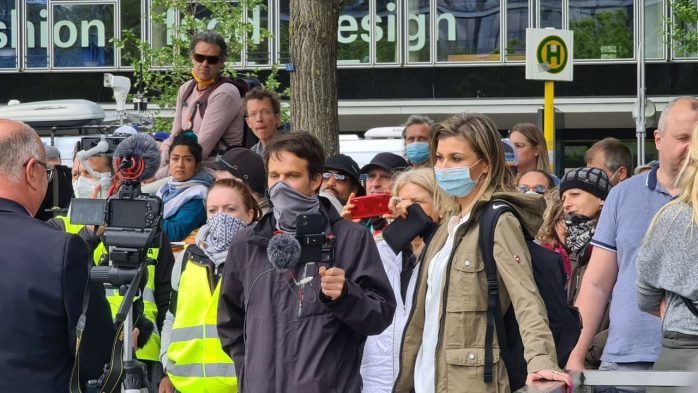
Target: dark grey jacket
pixel 274 349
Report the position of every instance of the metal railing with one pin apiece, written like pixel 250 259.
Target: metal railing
pixel 585 381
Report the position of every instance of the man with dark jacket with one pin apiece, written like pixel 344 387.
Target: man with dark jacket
pixel 44 278
pixel 301 328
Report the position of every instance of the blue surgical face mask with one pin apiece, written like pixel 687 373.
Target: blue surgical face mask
pixel 417 152
pixel 456 182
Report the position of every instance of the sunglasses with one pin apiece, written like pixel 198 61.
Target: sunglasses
pixel 337 177
pixel 538 189
pixel 209 59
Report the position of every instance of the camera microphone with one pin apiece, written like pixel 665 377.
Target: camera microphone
pixel 284 251
pixel 137 156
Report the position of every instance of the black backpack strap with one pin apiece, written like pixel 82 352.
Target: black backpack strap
pixel 690 305
pixel 488 222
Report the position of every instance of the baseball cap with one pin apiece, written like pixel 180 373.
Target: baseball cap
pixel 345 164
pixel 246 165
pixel 161 136
pixel 125 131
pixel 391 162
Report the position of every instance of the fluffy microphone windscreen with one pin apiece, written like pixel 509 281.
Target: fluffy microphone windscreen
pixel 283 251
pixel 140 146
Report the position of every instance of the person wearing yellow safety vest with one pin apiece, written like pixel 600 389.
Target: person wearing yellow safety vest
pixel 156 293
pixel 190 349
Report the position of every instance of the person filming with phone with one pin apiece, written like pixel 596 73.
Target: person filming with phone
pixel 295 318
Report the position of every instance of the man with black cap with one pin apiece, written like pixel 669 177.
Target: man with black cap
pixel 380 175
pixel 246 165
pixel 341 178
pixel 381 171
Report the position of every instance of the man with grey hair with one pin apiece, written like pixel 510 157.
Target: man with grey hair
pixel 417 134
pixel 209 104
pixel 633 336
pixel 611 156
pixel 45 276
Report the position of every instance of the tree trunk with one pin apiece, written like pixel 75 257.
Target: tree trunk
pixel 313 47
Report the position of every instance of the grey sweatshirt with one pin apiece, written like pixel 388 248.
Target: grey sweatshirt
pixel 666 266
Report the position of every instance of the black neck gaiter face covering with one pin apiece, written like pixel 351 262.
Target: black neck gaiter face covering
pixel 580 230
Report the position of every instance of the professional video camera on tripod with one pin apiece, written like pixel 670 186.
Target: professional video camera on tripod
pixel 133 225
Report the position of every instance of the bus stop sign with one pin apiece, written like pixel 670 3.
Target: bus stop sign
pixel 549 54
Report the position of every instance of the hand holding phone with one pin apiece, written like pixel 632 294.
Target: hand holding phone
pixel 370 206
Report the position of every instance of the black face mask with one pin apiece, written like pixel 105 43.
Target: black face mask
pixel 580 230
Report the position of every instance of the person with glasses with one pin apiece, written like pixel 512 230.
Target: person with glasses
pixel 341 179
pixel 531 149
pixel 206 104
pixel 263 116
pixel 45 276
pixel 535 181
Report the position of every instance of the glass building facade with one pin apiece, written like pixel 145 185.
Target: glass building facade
pixel 77 35
pixel 395 57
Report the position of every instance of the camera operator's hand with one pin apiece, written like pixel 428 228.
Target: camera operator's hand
pixel 332 282
pixel 166 385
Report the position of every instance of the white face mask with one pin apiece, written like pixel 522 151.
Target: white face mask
pixel 84 187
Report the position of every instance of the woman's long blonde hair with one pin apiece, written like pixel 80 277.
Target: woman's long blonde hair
pixel 536 138
pixel 481 134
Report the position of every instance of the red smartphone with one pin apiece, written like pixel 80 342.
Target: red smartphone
pixel 370 206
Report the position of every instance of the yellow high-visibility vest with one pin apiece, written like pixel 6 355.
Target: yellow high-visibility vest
pixel 196 360
pixel 151 349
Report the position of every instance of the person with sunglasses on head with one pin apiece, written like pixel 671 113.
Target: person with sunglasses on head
pixel 213 109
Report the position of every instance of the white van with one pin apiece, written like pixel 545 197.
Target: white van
pixel 376 140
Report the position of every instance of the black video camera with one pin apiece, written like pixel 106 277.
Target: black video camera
pixel 316 245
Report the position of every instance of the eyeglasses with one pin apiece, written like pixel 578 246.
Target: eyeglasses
pixel 209 59
pixel 338 177
pixel 49 169
pixel 263 112
pixel 538 189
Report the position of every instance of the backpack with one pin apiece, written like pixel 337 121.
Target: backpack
pixel 549 274
pixel 243 85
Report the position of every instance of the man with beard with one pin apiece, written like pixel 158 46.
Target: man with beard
pixel 207 104
pixel 341 179
pixel 300 327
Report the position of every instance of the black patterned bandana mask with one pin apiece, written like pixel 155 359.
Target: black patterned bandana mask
pixel 580 230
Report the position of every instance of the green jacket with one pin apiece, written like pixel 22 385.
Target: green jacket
pixel 463 317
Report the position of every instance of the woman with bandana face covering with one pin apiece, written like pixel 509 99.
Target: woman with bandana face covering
pixel 190 350
pixel 444 340
pixel 583 191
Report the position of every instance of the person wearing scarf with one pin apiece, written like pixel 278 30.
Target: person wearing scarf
pixel 196 275
pixel 583 191
pixel 185 193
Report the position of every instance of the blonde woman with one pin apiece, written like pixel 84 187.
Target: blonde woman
pixel 444 340
pixel 667 278
pixel 381 357
pixel 531 149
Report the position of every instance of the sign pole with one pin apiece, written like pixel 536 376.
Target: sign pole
pixel 549 121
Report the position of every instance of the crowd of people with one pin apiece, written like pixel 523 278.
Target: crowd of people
pixel 394 302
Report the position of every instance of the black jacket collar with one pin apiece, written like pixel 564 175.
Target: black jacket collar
pixel 8 205
pixel 265 228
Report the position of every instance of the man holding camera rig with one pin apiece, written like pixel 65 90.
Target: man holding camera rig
pixel 156 293
pixel 45 276
pixel 301 327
